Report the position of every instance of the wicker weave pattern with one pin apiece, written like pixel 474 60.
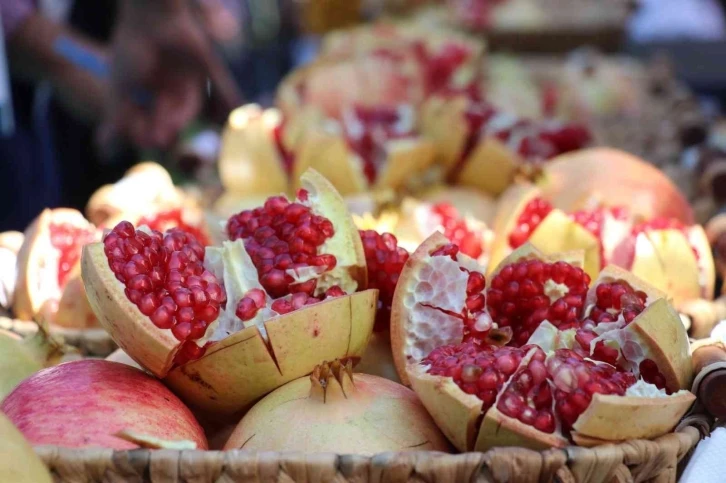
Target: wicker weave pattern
pixel 652 461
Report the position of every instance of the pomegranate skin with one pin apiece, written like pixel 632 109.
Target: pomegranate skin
pixel 84 403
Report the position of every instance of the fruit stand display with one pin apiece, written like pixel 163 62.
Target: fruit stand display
pixel 423 271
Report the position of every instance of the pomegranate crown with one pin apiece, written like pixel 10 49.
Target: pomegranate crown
pixel 332 381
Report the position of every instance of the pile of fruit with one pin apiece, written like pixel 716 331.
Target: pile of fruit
pixel 533 304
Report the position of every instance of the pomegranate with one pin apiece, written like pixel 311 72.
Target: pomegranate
pixel 383 64
pixel 14 449
pixel 668 254
pixel 228 324
pixel 48 284
pixel 10 243
pixel 485 148
pixel 335 410
pixel 372 147
pixel 534 356
pixel 419 220
pixel 467 200
pixel 570 182
pixel 85 403
pixel 147 196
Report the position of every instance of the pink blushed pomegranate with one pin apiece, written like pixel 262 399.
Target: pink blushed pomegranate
pixel 85 403
pixel 227 324
pixel 547 357
pixel 48 285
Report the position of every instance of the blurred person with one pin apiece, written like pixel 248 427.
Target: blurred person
pixel 659 20
pixel 160 59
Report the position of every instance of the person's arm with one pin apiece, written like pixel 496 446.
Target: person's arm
pixel 40 49
pixel 160 49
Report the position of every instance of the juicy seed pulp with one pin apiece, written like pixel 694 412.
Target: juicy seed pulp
pixel 385 260
pixel 282 236
pixel 534 212
pixel 165 278
pixel 68 240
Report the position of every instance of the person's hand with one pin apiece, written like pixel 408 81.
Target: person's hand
pixel 160 62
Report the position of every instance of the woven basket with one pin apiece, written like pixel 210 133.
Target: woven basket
pixel 652 461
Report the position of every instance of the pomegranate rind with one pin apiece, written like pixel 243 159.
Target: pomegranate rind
pixel 248 160
pixel 658 329
pixel 74 310
pixel 618 418
pixel 377 359
pixel 328 154
pixel 569 181
pixel 511 204
pixel 32 291
pixel 335 423
pixel 152 348
pixel 443 122
pixel 241 368
pixel 346 243
pixel 698 239
pixel 405 158
pixel 148 178
pixel 403 328
pixel 666 260
pixel 491 167
pixel 455 412
pixel 559 233
pixel 11 240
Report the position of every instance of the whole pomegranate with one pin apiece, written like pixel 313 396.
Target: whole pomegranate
pixel 86 403
pixel 227 324
pixel 49 285
pixel 539 353
pixel 485 148
pixel 335 410
pixel 667 253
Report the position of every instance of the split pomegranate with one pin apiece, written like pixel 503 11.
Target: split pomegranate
pixel 175 218
pixel 485 148
pixel 334 410
pixel 48 285
pixel 83 404
pixel 665 252
pixel 547 356
pixel 227 324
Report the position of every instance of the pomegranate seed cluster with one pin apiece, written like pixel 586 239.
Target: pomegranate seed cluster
pixel 534 212
pixel 576 380
pixel 68 240
pixel 167 220
pixel 456 230
pixel 525 293
pixel 281 236
pixel 256 299
pixel 385 260
pixel 477 370
pixel 165 278
pixel 547 392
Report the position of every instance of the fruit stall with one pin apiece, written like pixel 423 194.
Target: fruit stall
pixel 434 259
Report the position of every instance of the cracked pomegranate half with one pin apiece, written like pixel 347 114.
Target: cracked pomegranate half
pixel 668 254
pixel 372 147
pixel 335 410
pixel 485 148
pixel 49 285
pixel 225 325
pixel 535 356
